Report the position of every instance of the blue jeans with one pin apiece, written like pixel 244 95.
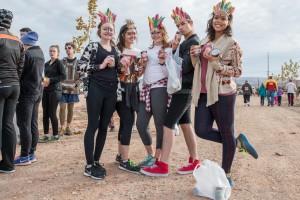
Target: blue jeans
pixel 270 97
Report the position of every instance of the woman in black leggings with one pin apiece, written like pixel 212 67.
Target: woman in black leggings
pixel 129 70
pixel 99 60
pixel 54 75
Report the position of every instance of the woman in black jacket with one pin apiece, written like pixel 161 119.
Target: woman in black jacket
pixel 11 65
pixel 54 75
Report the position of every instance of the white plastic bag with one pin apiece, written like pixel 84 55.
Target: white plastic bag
pixel 174 77
pixel 209 177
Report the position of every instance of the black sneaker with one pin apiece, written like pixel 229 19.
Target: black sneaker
pixel 129 166
pixel 97 172
pixel 88 170
pixel 100 166
pixel 118 159
pixel 4 169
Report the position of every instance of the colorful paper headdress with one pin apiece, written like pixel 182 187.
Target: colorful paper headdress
pixel 178 15
pixel 225 7
pixel 107 17
pixel 156 22
pixel 130 24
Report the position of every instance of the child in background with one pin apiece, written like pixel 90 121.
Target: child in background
pixel 279 95
pixel 275 98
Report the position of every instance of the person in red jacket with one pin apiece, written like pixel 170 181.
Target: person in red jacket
pixel 271 87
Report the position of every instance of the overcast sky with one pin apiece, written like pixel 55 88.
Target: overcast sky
pixel 260 26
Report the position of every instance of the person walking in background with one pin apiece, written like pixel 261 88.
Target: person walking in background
pixel 30 98
pixel 214 95
pixel 180 107
pixel 262 93
pixel 279 95
pixel 271 87
pixel 54 74
pixel 70 89
pixel 130 68
pixel 99 59
pixel 275 98
pixel 247 92
pixel 11 65
pixel 24 31
pixel 291 89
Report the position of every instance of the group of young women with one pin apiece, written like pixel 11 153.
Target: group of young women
pixel 208 85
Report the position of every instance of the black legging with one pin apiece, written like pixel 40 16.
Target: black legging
pixel 126 121
pixel 100 107
pixel 50 102
pixel 8 101
pixel 221 112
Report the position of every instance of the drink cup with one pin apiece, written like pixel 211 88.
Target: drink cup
pixel 144 56
pixel 112 56
pixel 196 49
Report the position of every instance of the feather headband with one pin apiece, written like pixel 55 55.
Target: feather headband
pixel 224 7
pixel 178 14
pixel 107 17
pixel 130 24
pixel 156 22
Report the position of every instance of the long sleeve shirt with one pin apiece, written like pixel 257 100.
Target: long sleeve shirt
pixel 56 73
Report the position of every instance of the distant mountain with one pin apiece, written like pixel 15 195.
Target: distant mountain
pixel 254 81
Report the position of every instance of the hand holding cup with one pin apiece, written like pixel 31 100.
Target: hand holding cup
pixel 195 50
pixel 162 55
pixel 110 61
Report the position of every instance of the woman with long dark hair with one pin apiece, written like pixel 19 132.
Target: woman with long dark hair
pixel 99 59
pixel 130 69
pixel 214 91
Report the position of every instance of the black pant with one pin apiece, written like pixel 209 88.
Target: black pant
pixel 279 100
pixel 262 100
pixel 291 99
pixel 246 98
pixel 8 101
pixel 27 120
pixel 100 107
pixel 126 121
pixel 50 103
pixel 221 112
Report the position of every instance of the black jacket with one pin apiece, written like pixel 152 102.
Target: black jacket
pixel 56 73
pixel 187 66
pixel 11 59
pixel 31 79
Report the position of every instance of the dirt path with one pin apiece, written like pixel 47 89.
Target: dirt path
pixel 58 172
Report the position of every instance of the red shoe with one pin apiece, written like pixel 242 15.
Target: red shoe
pixel 189 168
pixel 159 170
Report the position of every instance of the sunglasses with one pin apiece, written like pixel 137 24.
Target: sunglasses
pixel 68 48
pixel 155 32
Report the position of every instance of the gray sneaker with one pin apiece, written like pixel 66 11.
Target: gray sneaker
pixel 44 139
pixel 148 162
pixel 54 138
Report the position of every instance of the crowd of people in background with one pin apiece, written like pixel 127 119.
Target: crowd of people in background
pixel 133 82
pixel 272 91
